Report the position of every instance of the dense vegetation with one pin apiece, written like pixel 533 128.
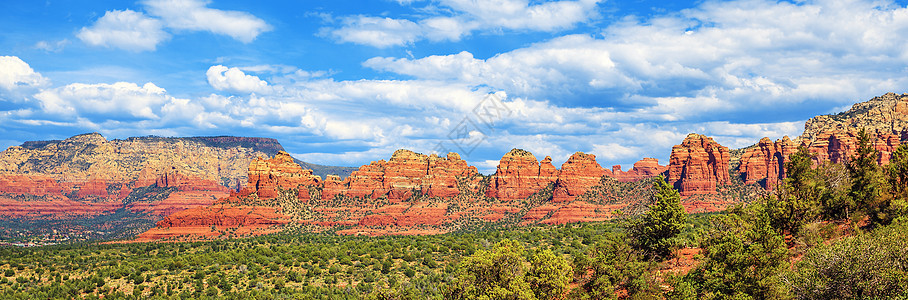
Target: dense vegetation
pixel 828 232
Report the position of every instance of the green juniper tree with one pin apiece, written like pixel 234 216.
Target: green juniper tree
pixel 655 232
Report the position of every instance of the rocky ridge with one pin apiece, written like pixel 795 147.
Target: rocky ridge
pixel 833 138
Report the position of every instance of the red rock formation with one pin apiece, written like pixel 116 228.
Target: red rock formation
pixel 37 185
pixel 698 165
pixel 578 174
pixel 443 174
pixel 367 181
pixel 332 185
pixel 269 176
pixel 765 163
pixel 177 201
pixel 221 215
pixel 644 168
pixel 519 175
pixel 205 222
pixel 839 146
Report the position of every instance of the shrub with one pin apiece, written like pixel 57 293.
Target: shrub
pixel 869 266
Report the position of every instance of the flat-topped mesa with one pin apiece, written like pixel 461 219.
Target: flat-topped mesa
pixel 765 162
pixel 407 172
pixel 578 174
pixel 268 176
pixel 698 165
pixel 644 168
pixel 520 175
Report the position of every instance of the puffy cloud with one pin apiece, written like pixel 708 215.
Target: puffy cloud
pixel 466 16
pixel 15 74
pixel 125 29
pixel 742 59
pixel 121 100
pixel 377 32
pixel 194 15
pixel 234 80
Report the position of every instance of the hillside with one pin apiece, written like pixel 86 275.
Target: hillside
pixel 87 183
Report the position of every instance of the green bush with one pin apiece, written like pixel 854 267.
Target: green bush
pixel 868 266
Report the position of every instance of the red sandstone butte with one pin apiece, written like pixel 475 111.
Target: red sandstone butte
pixel 765 162
pixel 519 175
pixel 268 176
pixel 698 165
pixel 578 174
pixel 407 172
pixel 644 168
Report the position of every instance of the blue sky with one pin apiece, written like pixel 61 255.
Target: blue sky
pixel 346 82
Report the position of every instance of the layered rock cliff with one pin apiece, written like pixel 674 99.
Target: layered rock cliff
pixel 520 175
pixel 87 175
pixel 698 165
pixel 578 174
pixel 765 163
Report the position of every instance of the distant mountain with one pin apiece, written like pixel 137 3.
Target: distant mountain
pixel 87 177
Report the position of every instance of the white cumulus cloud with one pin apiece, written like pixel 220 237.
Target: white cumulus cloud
pixel 125 29
pixel 121 100
pixel 235 80
pixel 466 16
pixel 195 15
pixel 15 73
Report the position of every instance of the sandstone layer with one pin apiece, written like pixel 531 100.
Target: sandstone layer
pixel 698 165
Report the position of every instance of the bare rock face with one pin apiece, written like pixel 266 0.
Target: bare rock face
pixel 443 174
pixel 92 175
pixel 519 175
pixel 834 137
pixel 644 168
pixel 883 115
pixel 838 146
pixel 578 174
pixel 698 165
pixel 269 176
pixel 765 163
pixel 408 172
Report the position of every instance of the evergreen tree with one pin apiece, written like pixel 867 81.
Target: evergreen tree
pixel 497 273
pixel 655 232
pixel 897 177
pixel 743 256
pixel 794 203
pixel 866 181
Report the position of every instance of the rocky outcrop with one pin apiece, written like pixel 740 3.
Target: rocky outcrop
pixel 834 137
pixel 644 168
pixel 520 175
pixel 577 175
pixel 883 115
pixel 88 175
pixel 698 165
pixel 407 173
pixel 267 177
pixel 765 162
pixel 211 222
pixel 838 146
